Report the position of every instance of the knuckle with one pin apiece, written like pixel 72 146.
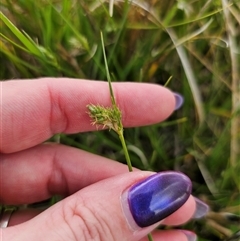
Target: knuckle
pixel 58 117
pixel 87 224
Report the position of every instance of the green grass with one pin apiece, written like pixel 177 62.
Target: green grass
pixel 195 42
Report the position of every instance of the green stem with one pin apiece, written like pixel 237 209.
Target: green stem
pixel 121 137
pixel 130 169
pixel 107 72
pixel 119 129
pixel 150 237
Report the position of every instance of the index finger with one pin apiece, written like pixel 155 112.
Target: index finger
pixel 34 110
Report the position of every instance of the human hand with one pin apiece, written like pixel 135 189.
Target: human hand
pixel 33 111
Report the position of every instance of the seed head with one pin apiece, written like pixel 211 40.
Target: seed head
pixel 105 116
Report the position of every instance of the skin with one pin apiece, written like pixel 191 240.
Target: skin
pixel 31 170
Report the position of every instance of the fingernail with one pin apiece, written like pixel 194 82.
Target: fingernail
pixel 178 101
pixel 156 197
pixel 201 209
pixel 190 235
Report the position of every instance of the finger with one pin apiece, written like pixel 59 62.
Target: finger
pixel 34 110
pixel 166 235
pixel 21 216
pixel 177 218
pixel 172 235
pixel 38 173
pixel 94 213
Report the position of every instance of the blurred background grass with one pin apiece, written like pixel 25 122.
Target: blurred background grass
pixel 197 43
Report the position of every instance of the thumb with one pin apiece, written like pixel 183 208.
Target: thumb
pixel 124 207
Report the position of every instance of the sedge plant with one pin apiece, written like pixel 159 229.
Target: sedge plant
pixel 111 117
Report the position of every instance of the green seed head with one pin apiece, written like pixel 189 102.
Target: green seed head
pixel 105 116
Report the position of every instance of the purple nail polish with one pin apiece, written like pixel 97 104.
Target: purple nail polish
pixel 179 101
pixel 190 235
pixel 158 196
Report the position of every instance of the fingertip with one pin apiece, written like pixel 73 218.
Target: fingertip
pixel 190 235
pixel 178 101
pixel 171 235
pixel 183 214
pixel 144 104
pixel 143 200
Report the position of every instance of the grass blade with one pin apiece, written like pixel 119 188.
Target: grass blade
pixel 22 38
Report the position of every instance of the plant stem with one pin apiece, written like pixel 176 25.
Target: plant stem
pixel 119 128
pixel 130 169
pixel 121 137
pixel 107 72
pixel 232 34
pixel 150 237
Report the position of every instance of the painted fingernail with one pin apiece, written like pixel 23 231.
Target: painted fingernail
pixel 190 235
pixel 178 101
pixel 158 196
pixel 201 209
